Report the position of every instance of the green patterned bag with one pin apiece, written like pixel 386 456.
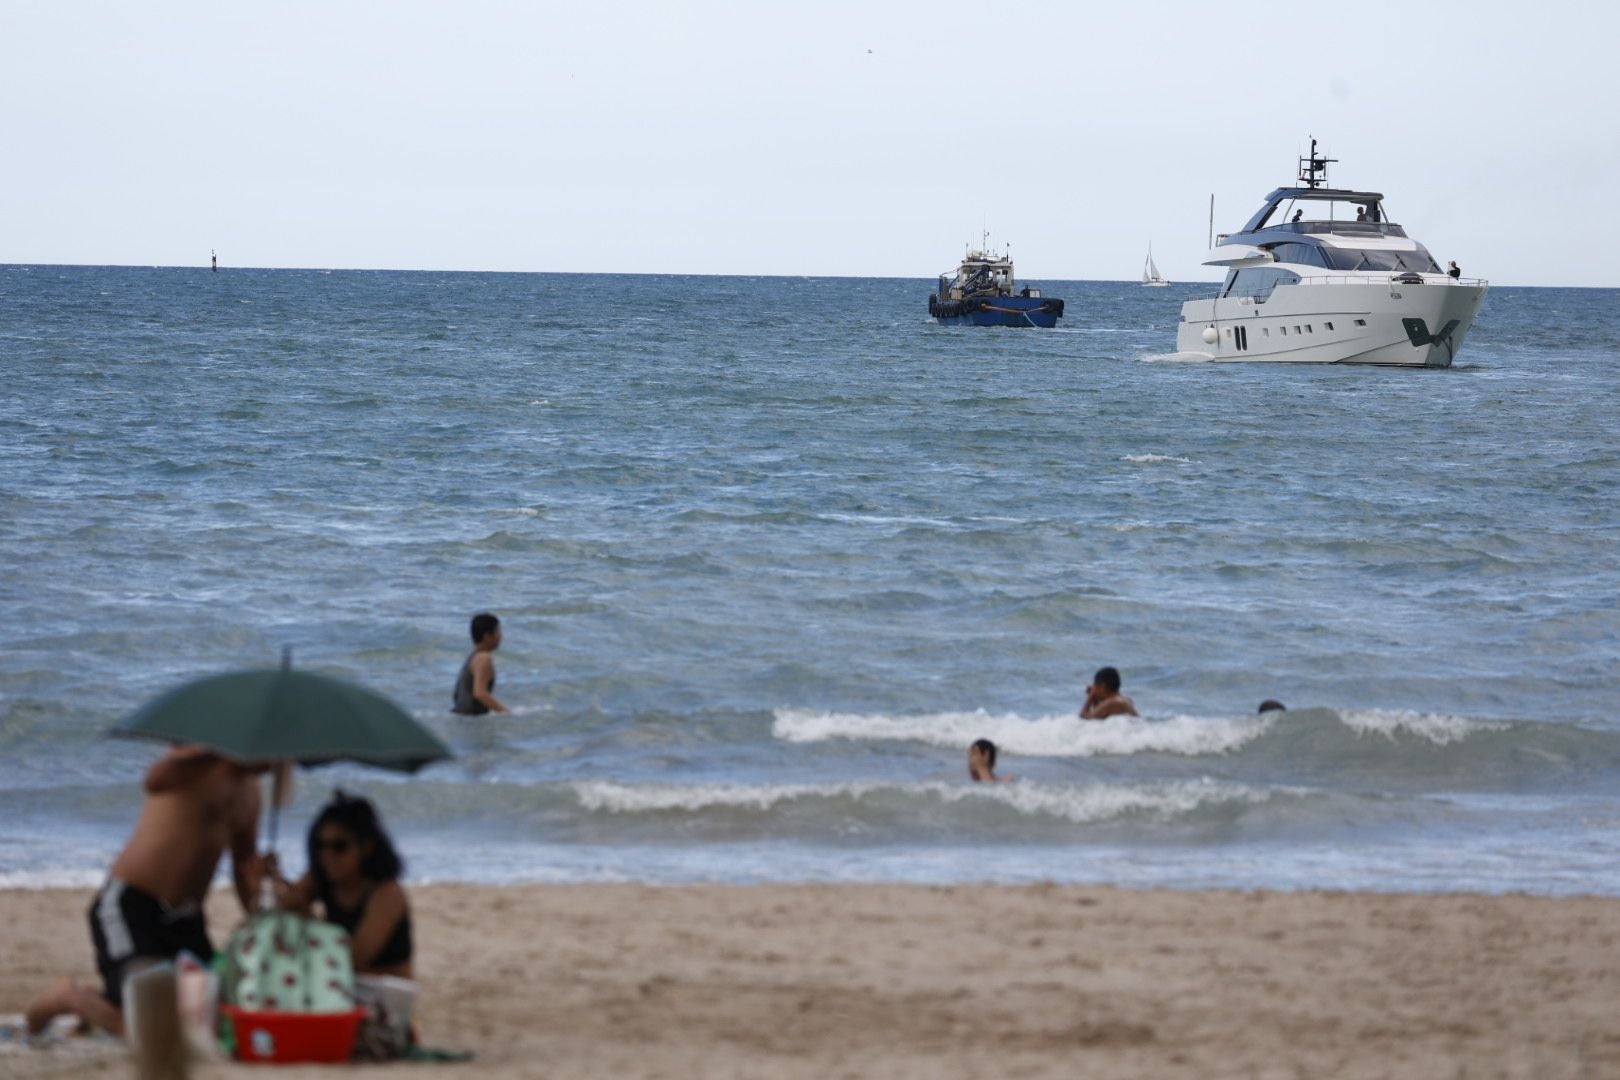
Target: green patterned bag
pixel 282 962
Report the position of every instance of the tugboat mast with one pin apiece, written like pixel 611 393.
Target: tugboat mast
pixel 1313 170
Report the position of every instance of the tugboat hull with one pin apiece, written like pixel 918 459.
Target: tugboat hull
pixel 1038 311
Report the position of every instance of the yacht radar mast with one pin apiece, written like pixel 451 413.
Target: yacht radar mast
pixel 1313 170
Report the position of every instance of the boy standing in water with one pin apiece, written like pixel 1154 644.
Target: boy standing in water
pixel 475 686
pixel 1103 698
pixel 198 805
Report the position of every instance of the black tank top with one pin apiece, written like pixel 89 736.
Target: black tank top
pixel 463 702
pixel 396 951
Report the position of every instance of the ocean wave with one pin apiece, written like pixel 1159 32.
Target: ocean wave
pixel 1439 728
pixel 1078 804
pixel 1155 459
pixel 52 878
pixel 1176 358
pixel 1048 736
pixel 1407 750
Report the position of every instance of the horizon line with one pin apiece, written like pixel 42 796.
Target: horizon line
pixel 206 268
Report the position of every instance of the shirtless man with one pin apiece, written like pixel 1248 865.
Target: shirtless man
pixel 1103 698
pixel 198 805
pixel 475 686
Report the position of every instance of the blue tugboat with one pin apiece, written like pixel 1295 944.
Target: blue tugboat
pixel 983 294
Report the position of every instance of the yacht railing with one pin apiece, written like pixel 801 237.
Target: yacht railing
pixel 1392 279
pixel 1441 280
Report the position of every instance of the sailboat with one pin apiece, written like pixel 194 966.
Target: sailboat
pixel 1150 271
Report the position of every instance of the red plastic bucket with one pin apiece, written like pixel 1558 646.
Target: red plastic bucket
pixel 294 1036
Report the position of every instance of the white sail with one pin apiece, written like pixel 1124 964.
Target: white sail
pixel 1150 271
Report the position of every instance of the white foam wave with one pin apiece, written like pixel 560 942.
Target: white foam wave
pixel 523 511
pixel 1439 728
pixel 1176 358
pixel 1082 804
pixel 886 519
pixel 51 879
pixel 1048 736
pixel 1155 459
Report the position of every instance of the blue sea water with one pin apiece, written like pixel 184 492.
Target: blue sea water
pixel 770 552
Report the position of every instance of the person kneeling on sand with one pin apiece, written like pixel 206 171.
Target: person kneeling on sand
pixel 982 762
pixel 197 806
pixel 1103 698
pixel 354 874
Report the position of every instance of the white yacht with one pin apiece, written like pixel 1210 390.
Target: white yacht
pixel 1321 275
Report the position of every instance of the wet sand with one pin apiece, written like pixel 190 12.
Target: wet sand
pixel 629 981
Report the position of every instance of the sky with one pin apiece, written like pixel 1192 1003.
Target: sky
pixel 847 139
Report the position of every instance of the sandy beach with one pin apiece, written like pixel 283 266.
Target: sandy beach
pixel 899 981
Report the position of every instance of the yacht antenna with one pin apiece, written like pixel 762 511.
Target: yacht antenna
pixel 1313 170
pixel 1212 221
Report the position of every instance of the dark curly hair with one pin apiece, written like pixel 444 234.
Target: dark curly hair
pixel 358 818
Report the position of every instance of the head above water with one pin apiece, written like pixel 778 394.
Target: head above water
pixel 346 826
pixel 1108 679
pixel 484 624
pixel 1272 705
pixel 987 749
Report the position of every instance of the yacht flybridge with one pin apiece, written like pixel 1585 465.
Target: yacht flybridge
pixel 1321 275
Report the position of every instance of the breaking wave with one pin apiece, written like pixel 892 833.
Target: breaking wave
pixel 1079 804
pixel 1396 747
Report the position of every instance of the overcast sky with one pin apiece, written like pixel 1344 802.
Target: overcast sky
pixel 823 138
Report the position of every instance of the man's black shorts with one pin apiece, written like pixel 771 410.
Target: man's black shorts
pixel 126 923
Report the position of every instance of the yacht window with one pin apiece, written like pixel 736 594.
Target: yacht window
pixel 1361 322
pixel 1258 283
pixel 1266 330
pixel 1309 329
pixel 1328 325
pixel 1299 254
pixel 1284 331
pixel 1296 329
pixel 1359 259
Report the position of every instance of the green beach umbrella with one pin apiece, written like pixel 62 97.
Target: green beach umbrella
pixel 276 714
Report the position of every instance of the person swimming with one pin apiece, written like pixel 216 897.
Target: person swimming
pixel 1103 698
pixel 982 762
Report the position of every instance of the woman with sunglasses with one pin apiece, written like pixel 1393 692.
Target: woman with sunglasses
pixel 354 874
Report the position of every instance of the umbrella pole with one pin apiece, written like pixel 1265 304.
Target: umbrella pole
pixel 280 792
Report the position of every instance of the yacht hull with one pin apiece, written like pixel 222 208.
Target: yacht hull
pixel 1337 321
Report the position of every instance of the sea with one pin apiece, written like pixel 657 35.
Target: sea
pixel 771 552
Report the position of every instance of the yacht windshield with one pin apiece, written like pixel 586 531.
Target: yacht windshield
pixel 1358 259
pixel 1257 283
pixel 1342 258
pixel 1337 211
pixel 1298 254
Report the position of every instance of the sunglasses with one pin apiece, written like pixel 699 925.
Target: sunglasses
pixel 336 847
